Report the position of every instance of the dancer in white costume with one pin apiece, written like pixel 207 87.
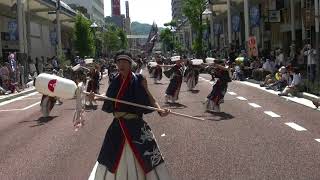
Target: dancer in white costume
pixel 129 150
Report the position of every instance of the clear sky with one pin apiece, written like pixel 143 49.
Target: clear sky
pixel 145 11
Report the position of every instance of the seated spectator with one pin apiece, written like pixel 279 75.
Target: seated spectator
pixel 254 65
pixel 238 73
pixel 260 74
pixel 269 66
pixel 282 80
pixel 295 85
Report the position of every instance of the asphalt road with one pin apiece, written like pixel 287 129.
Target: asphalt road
pixel 244 142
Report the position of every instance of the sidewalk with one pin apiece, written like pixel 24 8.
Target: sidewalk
pixel 15 95
pixel 302 98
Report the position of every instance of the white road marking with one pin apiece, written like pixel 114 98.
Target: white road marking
pixel 296 126
pixel 254 105
pixel 29 98
pixel 211 82
pixel 232 93
pixel 8 110
pixel 298 100
pixel 317 140
pixel 17 99
pixel 272 114
pixel 93 172
pixel 28 107
pixel 241 98
pixel 162 135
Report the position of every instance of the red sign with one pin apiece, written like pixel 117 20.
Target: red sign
pixel 252 45
pixel 52 84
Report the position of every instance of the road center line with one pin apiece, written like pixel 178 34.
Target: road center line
pixel 241 98
pixel 317 140
pixel 272 114
pixel 296 126
pixel 254 105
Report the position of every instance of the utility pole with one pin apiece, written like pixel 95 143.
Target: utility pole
pixel 246 22
pixel 20 25
pixel 316 14
pixel 59 48
pixel 229 23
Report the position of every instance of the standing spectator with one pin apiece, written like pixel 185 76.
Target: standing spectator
pixel 37 65
pixel 55 63
pixel 21 76
pixel 40 65
pixel 32 68
pixel 13 67
pixel 311 57
pixel 279 58
pixel 300 60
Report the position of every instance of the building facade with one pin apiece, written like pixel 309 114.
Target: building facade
pixel 176 9
pixel 95 9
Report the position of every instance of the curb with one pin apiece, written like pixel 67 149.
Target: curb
pixel 17 95
pixel 304 95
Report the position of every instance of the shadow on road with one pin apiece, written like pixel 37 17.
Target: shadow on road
pixel 220 116
pixel 175 106
pixel 216 116
pixel 41 121
pixel 195 91
pixel 91 107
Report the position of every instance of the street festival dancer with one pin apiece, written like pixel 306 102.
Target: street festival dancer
pixel 157 71
pixel 129 148
pixel 47 102
pixel 219 88
pixel 191 74
pixel 175 74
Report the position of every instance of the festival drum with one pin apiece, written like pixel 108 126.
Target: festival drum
pixel 55 86
pixel 196 61
pixel 210 60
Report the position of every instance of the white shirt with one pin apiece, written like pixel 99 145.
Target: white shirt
pixel 268 66
pixel 311 56
pixel 280 59
pixel 296 79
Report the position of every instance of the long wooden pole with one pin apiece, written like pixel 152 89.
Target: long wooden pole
pixel 143 106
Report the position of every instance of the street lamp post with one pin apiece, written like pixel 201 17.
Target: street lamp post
pixel 59 48
pixel 94 26
pixel 207 14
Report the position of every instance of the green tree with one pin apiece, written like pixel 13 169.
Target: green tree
pixel 172 24
pixel 83 37
pixel 114 39
pixel 166 37
pixel 123 39
pixel 193 10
